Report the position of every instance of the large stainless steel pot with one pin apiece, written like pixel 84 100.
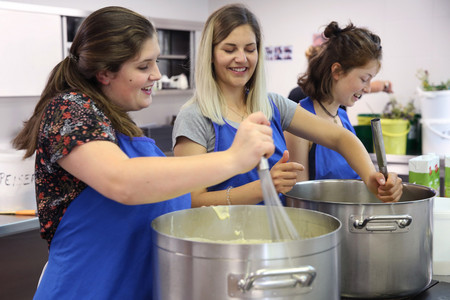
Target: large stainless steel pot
pixel 386 248
pixel 223 269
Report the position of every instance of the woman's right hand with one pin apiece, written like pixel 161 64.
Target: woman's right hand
pixel 387 190
pixel 253 140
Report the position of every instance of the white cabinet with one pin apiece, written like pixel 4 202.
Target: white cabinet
pixel 30 46
pixel 34 39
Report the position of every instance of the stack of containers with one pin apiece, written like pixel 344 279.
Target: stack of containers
pixel 441 218
pixel 435 111
pixel 435 108
pixel 447 176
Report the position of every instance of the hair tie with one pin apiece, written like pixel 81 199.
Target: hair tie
pixel 73 57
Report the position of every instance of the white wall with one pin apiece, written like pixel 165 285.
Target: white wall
pixel 14 110
pixel 414 33
pixel 192 10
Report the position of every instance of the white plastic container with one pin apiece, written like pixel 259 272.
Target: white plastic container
pixel 436 135
pixel 17 185
pixel 434 104
pixel 441 241
pixel 447 175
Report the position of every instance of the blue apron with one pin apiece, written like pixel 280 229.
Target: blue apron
pixel 102 249
pixel 224 138
pixel 323 162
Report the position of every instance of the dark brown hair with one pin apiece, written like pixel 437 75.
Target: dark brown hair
pixel 351 47
pixel 105 40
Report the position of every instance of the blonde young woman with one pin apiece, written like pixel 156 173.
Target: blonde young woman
pixel 230 85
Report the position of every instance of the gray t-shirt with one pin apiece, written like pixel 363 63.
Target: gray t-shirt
pixel 192 124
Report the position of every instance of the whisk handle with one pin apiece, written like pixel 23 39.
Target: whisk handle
pixel 263 164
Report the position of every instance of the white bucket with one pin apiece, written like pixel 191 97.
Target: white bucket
pixel 436 136
pixel 434 104
pixel 441 242
pixel 17 186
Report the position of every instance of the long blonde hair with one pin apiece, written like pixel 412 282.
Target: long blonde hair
pixel 105 40
pixel 208 95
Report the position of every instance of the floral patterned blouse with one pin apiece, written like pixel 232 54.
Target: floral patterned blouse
pixel 70 119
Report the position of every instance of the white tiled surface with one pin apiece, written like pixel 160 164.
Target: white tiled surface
pixel 441 240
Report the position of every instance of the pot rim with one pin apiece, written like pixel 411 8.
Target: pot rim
pixel 278 250
pixel 401 202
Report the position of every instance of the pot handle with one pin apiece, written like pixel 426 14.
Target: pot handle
pixel 302 276
pixel 402 221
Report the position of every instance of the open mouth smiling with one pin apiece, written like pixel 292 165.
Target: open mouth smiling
pixel 148 89
pixel 239 70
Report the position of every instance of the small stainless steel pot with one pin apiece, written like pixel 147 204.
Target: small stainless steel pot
pixel 218 268
pixel 386 248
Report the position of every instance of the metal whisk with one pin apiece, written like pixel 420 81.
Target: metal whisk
pixel 281 227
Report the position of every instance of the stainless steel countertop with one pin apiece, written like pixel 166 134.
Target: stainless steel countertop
pixel 17 224
pixel 443 278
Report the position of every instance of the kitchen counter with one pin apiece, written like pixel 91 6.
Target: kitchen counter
pixel 395 163
pixel 443 278
pixel 16 224
pixel 399 163
pixel 23 253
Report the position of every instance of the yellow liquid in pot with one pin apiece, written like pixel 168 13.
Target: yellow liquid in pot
pixel 222 212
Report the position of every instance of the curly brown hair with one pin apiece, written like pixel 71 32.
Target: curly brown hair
pixel 351 47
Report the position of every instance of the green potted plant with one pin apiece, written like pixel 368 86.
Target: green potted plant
pixel 395 110
pixel 423 76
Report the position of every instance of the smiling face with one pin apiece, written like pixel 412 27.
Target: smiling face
pixel 349 88
pixel 131 87
pixel 235 58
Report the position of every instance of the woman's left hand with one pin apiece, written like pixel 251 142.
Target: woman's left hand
pixel 381 86
pixel 389 190
pixel 284 173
